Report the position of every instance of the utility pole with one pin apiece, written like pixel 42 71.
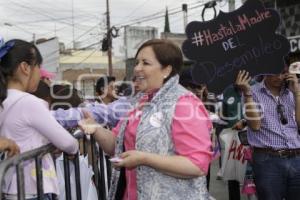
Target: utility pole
pixel 73 29
pixel 125 42
pixel 33 38
pixel 185 16
pixel 110 68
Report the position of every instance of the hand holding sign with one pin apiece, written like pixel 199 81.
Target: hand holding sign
pixel 243 82
pixel 241 40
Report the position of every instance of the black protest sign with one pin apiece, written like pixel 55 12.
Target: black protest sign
pixel 295 43
pixel 244 39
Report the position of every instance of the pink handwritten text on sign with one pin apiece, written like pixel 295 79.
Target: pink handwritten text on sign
pixel 237 151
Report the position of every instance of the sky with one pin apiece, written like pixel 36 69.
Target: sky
pixel 26 19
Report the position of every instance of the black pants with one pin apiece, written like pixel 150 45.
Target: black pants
pixel 208 178
pixel 234 190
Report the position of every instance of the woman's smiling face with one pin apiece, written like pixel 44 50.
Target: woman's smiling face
pixel 150 74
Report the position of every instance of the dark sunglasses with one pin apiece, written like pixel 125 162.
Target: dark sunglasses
pixel 281 111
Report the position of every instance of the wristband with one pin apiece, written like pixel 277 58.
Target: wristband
pixel 248 95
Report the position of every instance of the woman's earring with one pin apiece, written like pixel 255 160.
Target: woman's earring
pixel 165 76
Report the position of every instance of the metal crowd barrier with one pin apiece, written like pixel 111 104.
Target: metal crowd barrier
pixel 98 163
pixel 98 168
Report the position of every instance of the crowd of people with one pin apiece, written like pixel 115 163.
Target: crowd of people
pixel 156 133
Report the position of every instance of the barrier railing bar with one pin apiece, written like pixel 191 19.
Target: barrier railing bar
pixel 95 167
pixel 108 165
pixel 67 177
pixel 84 145
pixel 5 164
pixel 39 177
pixel 77 177
pixel 102 174
pixel 37 155
pixel 20 181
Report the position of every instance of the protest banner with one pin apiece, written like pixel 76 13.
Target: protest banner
pixel 234 156
pixel 295 43
pixel 244 39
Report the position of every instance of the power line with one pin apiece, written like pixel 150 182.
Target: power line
pixel 87 57
pixel 58 9
pixel 140 6
pixel 39 12
pixel 91 45
pixel 161 16
pixel 81 52
pixel 50 17
pixel 82 22
pixel 89 30
pixel 192 14
pixel 48 20
pixel 154 15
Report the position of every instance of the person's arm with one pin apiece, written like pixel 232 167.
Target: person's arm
pixel 176 166
pixel 117 110
pixel 191 138
pixel 295 88
pixel 297 108
pixel 110 114
pixel 103 114
pixel 103 137
pixel 10 146
pixel 252 113
pixel 67 118
pixel 41 119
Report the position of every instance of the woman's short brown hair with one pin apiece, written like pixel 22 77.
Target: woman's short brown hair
pixel 167 53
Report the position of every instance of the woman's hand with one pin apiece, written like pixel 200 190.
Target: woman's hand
pixel 131 159
pixel 10 146
pixel 242 82
pixel 88 125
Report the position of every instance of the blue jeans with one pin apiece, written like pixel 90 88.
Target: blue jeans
pixel 275 177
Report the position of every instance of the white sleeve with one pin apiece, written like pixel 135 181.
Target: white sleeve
pixel 41 119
